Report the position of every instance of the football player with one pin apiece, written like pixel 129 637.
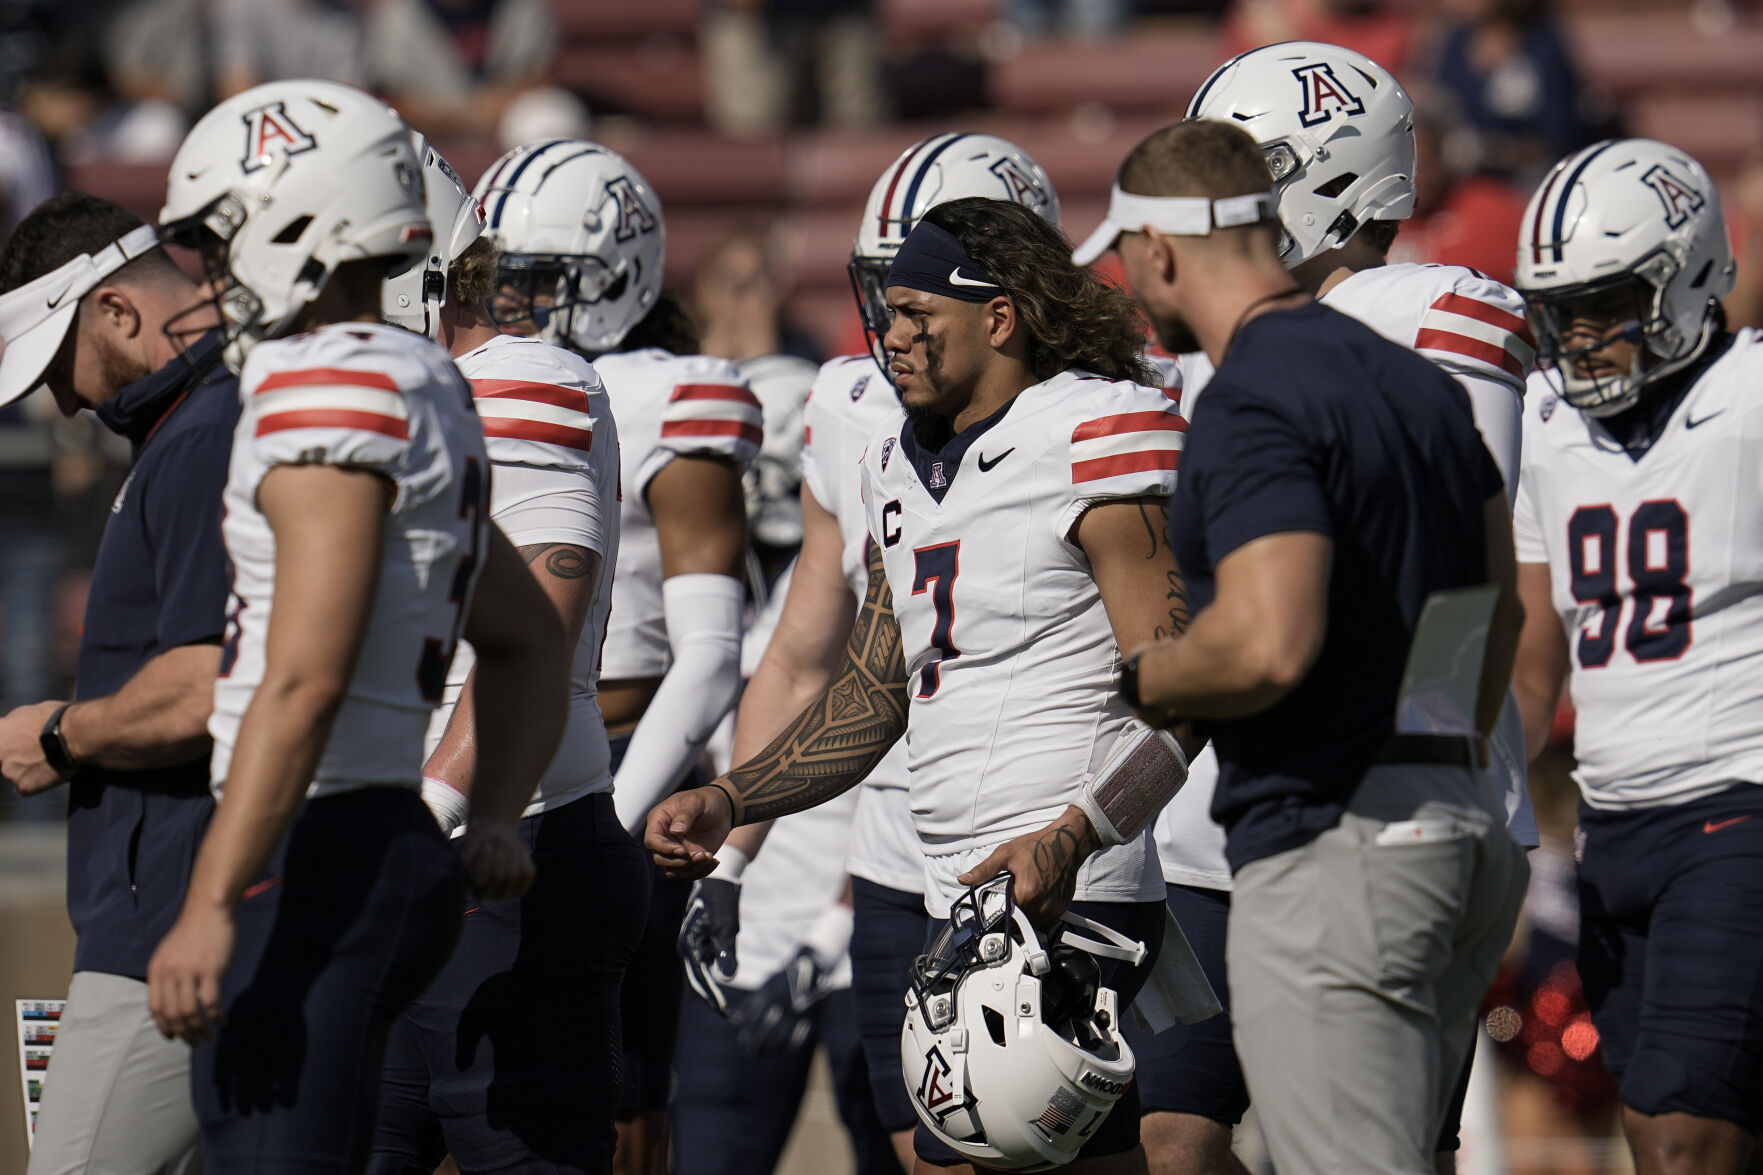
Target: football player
pixel 1641 574
pixel 323 896
pixel 582 240
pixel 559 952
pixel 852 398
pixel 1013 592
pixel 1338 134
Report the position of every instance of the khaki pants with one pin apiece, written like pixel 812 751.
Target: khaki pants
pixel 116 1098
pixel 1357 963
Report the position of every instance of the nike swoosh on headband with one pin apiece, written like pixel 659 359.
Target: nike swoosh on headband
pixel 955 279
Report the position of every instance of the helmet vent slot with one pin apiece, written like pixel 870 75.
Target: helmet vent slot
pixel 1337 185
pixel 1702 275
pixel 995 1025
pixel 293 230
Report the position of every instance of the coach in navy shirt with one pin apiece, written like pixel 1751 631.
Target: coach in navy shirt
pixel 86 300
pixel 1332 481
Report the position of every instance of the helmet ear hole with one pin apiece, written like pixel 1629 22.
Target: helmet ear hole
pixel 995 1025
pixel 292 231
pixel 1337 185
pixel 1701 278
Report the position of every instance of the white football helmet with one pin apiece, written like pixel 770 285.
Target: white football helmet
pixel 1337 130
pixel 582 239
pixel 1631 221
pixel 1011 1049
pixel 281 184
pixel 930 172
pixel 413 299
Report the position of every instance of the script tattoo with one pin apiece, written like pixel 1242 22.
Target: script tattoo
pixel 833 744
pixel 1154 513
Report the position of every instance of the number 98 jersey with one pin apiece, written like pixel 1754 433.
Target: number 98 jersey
pixel 1010 658
pixel 376 398
pixel 1656 571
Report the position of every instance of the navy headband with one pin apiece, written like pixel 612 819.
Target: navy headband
pixel 932 260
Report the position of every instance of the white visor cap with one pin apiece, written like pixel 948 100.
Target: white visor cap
pixel 35 318
pixel 1173 216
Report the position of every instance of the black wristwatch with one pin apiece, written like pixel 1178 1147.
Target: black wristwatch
pixel 1129 681
pixel 54 746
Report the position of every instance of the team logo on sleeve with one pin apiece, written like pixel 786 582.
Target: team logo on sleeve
pixel 1021 186
pixel 269 129
pixel 633 215
pixel 858 387
pixel 1681 200
pixel 1324 94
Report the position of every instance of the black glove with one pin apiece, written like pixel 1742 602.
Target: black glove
pixel 775 1018
pixel 707 938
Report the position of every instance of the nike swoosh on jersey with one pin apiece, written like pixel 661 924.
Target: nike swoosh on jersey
pixel 1688 423
pixel 986 466
pixel 955 279
pixel 1717 825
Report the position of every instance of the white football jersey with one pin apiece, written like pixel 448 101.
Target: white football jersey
pixel 850 402
pixel 364 397
pixel 1656 570
pixel 553 447
pixel 666 405
pixel 1010 659
pixel 1474 328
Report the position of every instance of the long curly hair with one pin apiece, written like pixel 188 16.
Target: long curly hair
pixel 1073 320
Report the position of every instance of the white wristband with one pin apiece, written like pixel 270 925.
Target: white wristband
pixel 1143 773
pixel 445 801
pixel 730 864
pixel 830 936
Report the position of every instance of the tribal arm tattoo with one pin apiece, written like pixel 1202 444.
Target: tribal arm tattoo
pixel 834 743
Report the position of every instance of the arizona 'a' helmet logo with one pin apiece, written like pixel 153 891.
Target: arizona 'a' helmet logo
pixel 1020 186
pixel 269 129
pixel 935 1090
pixel 1681 200
pixel 1324 94
pixel 633 215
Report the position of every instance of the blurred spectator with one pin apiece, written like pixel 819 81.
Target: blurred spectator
pixel 1460 218
pixel 157 51
pixel 1507 67
pixel 758 53
pixel 1744 217
pixel 1383 32
pixel 738 302
pixel 545 112
pixel 257 41
pixel 27 173
pixel 1091 19
pixel 454 66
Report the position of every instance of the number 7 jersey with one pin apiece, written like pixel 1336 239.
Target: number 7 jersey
pixel 1656 571
pixel 380 399
pixel 1010 657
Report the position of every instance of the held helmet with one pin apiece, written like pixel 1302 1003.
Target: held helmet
pixel 413 299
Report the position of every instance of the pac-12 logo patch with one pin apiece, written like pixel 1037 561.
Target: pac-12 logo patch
pixel 887 451
pixel 1021 187
pixel 1681 199
pixel 634 216
pixel 268 129
pixel 1324 94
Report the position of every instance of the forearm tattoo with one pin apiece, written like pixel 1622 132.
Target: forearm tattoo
pixel 843 734
pixel 1154 513
pixel 1058 856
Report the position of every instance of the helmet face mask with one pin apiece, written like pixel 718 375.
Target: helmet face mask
pixel 1625 237
pixel 869 282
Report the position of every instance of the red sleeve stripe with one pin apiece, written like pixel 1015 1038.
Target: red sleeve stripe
pixel 1484 312
pixel 1108 426
pixel 389 426
pixel 324 376
pixel 544 432
pixel 714 392
pixel 1439 340
pixel 751 433
pixel 574 399
pixel 1143 461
